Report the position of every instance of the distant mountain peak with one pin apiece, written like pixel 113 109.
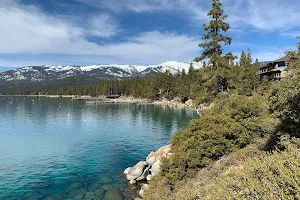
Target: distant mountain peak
pixel 34 75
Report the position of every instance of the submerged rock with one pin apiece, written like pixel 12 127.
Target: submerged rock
pixel 114 194
pixel 79 197
pixel 99 192
pixel 74 186
pixel 130 194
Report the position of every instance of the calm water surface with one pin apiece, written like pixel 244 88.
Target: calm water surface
pixel 59 149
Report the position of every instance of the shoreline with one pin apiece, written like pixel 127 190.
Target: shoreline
pixel 123 99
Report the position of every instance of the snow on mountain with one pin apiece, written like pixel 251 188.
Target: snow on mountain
pixel 100 72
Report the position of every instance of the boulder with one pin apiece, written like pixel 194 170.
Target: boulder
pixel 141 193
pixel 158 158
pixel 164 150
pixel 151 160
pixel 129 177
pixel 137 170
pixel 149 177
pixel 144 187
pixel 144 175
pixel 114 194
pixel 156 168
pixel 132 181
pixel 150 155
pixel 127 170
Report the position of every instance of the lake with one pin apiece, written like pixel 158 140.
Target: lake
pixel 54 148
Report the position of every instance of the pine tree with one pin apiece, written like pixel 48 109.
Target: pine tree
pixel 243 59
pixel 249 57
pixel 216 29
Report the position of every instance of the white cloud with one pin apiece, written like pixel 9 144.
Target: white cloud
pixel 266 15
pixel 26 30
pixel 147 48
pixel 103 26
pixel 192 9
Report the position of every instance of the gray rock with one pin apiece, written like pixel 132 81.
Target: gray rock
pixel 129 177
pixel 114 194
pixel 150 155
pixel 127 170
pixel 132 181
pixel 141 192
pixel 137 170
pixel 151 160
pixel 149 177
pixel 164 150
pixel 144 175
pixel 155 168
pixel 145 187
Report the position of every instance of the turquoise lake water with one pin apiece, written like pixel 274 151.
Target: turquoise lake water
pixel 59 149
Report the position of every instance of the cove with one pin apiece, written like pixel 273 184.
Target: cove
pixel 53 148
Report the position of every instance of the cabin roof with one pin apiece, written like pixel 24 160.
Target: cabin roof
pixel 264 64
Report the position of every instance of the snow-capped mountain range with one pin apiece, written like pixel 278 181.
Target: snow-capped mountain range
pixel 44 73
pixel 60 76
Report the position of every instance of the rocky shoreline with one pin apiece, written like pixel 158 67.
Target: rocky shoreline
pixel 141 174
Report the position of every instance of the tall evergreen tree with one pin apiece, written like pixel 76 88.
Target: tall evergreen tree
pixel 249 57
pixel 243 59
pixel 215 34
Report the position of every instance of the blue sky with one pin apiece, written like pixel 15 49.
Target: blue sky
pixel 84 32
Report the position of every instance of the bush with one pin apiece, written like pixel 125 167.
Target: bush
pixel 232 124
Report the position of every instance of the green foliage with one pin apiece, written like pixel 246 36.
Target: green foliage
pixel 232 124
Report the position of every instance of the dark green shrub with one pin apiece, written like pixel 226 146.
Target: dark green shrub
pixel 232 124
